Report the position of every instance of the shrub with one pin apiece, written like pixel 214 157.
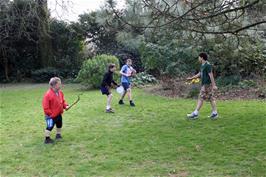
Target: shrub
pixel 92 70
pixel 193 92
pixel 143 78
pixel 228 80
pixel 171 58
pixel 247 84
pixel 44 75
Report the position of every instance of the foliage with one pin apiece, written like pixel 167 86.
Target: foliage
pixel 143 79
pixel 247 84
pixel 245 59
pixel 18 36
pixel 30 41
pixel 92 70
pixel 96 32
pixel 228 80
pixel 44 74
pixel 67 46
pixel 193 92
pixel 150 32
pixel 171 58
pixel 173 49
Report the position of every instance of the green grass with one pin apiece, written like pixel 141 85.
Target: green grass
pixel 152 139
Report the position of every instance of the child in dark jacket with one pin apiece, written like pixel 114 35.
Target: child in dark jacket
pixel 106 85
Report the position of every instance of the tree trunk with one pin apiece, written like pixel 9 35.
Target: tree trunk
pixel 5 63
pixel 45 46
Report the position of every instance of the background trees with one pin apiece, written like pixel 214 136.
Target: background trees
pixel 162 36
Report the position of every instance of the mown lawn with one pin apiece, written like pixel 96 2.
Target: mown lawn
pixel 152 139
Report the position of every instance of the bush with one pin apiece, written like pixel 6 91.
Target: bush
pixel 44 75
pixel 228 80
pixel 193 92
pixel 143 78
pixel 247 84
pixel 92 70
pixel 172 58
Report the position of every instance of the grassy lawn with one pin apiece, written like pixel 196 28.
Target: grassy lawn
pixel 152 139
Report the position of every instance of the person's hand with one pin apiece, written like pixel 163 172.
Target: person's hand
pixel 214 87
pixel 189 78
pixel 133 72
pixel 67 108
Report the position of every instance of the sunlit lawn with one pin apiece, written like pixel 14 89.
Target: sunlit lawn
pixel 152 139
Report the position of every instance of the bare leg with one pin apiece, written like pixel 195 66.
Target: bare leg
pixel 213 104
pixel 199 105
pixel 123 96
pixel 109 100
pixel 129 94
pixel 200 99
pixel 58 131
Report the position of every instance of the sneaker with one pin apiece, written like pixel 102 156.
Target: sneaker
pixel 109 110
pixel 121 102
pixel 192 116
pixel 214 116
pixel 48 140
pixel 132 104
pixel 58 136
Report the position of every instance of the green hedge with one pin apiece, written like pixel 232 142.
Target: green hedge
pixel 92 70
pixel 44 74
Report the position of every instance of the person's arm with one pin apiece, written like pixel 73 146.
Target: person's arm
pixel 46 105
pixel 105 77
pixel 194 77
pixel 122 72
pixel 114 83
pixel 133 70
pixel 212 81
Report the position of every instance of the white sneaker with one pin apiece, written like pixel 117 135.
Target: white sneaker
pixel 192 116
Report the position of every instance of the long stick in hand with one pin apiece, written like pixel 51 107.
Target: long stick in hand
pixel 74 103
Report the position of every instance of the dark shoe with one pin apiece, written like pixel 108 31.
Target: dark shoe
pixel 121 102
pixel 48 141
pixel 132 104
pixel 109 111
pixel 58 136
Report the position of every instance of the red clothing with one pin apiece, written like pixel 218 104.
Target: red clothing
pixel 53 105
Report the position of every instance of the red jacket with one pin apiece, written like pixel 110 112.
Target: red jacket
pixel 52 104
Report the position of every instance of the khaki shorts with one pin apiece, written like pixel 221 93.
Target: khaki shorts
pixel 207 93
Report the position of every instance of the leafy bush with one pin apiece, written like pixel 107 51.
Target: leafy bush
pixel 92 70
pixel 228 80
pixel 44 75
pixel 244 58
pixel 193 92
pixel 247 84
pixel 171 58
pixel 143 79
pixel 67 45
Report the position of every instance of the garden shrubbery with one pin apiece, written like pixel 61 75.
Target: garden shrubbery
pixel 44 75
pixel 92 70
pixel 143 78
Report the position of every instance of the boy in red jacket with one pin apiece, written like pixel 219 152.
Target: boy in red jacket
pixel 53 105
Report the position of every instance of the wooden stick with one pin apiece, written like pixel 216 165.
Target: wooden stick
pixel 73 103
